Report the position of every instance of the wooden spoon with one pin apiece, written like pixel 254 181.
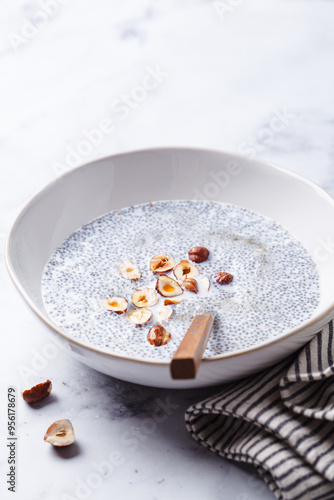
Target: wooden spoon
pixel 188 357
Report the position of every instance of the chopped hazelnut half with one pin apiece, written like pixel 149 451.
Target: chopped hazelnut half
pixel 223 278
pixel 185 269
pixel 190 284
pixel 60 433
pixel 37 392
pixel 140 316
pixel 198 254
pixel 165 313
pixel 204 280
pixel 129 271
pixel 172 302
pixel 161 263
pixel 167 287
pixel 158 336
pixel 118 305
pixel 146 297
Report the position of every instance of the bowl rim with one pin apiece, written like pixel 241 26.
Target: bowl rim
pixel 66 337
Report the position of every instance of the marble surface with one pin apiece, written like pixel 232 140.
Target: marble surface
pixel 254 77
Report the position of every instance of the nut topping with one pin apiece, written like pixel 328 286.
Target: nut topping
pixel 172 302
pixel 129 271
pixel 223 278
pixel 204 280
pixel 161 263
pixel 118 305
pixel 167 287
pixel 190 284
pixel 158 336
pixel 146 297
pixel 198 254
pixel 37 392
pixel 185 269
pixel 165 313
pixel 60 433
pixel 140 316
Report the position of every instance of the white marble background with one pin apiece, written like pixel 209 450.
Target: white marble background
pixel 227 69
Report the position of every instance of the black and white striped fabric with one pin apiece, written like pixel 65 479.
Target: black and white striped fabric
pixel 280 420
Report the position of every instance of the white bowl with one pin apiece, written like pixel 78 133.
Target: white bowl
pixel 126 179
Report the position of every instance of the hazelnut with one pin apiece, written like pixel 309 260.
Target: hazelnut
pixel 60 433
pixel 167 287
pixel 204 280
pixel 161 263
pixel 223 278
pixel 146 297
pixel 140 316
pixel 198 254
pixel 129 271
pixel 118 305
pixel 185 270
pixel 37 392
pixel 172 302
pixel 158 336
pixel 190 284
pixel 165 313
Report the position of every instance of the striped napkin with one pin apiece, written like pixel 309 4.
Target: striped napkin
pixel 280 420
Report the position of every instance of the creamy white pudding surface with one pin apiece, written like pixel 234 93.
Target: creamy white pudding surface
pixel 275 283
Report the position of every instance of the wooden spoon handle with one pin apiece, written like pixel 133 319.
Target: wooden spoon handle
pixel 188 357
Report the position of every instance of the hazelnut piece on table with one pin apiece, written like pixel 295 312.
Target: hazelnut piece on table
pixel 60 433
pixel 158 336
pixel 37 392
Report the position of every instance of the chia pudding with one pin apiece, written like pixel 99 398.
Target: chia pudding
pixel 275 283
